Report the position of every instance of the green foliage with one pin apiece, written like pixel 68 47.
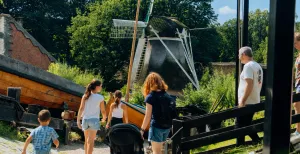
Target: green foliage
pixel 233 150
pixel 258 32
pixel 46 21
pixel 227 38
pixel 74 74
pixel 92 48
pixel 213 88
pixel 194 97
pixel 221 87
pixel 10 132
pixel 136 96
pixel 260 55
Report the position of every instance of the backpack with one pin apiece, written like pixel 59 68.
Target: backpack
pixel 166 109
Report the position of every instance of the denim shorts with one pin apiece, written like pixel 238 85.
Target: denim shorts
pixel 92 123
pixel 158 135
pixel 297 89
pixel 40 152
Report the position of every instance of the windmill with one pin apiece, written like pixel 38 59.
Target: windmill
pixel 163 44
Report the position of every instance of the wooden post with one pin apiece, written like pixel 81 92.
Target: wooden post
pixel 186 133
pixel 67 128
pixel 132 50
pixel 238 46
pixel 14 92
pixel 279 77
pixel 176 139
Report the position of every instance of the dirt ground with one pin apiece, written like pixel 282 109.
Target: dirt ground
pixel 8 146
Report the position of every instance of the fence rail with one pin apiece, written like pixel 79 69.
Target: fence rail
pixel 184 142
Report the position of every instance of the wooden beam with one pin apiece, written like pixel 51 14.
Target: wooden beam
pixel 14 92
pixel 217 131
pixel 176 140
pixel 279 77
pixel 31 120
pixel 195 143
pixel 230 113
pixel 132 50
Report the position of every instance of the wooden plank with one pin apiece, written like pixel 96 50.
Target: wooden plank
pixel 7 114
pixel 13 79
pixel 72 106
pixel 29 95
pixel 31 119
pixel 176 141
pixel 35 93
pixel 214 117
pixel 195 143
pixel 279 83
pixel 217 131
pixel 14 92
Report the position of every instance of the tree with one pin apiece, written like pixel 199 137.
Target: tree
pixel 258 22
pixel 227 35
pixel 47 21
pixel 92 48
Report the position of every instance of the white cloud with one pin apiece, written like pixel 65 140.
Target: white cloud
pixel 226 10
pixel 266 9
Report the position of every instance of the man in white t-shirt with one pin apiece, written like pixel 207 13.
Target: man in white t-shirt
pixel 250 85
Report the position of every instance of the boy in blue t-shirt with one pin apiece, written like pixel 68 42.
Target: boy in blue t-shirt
pixel 42 136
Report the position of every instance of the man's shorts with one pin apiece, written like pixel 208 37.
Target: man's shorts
pixel 92 123
pixel 158 135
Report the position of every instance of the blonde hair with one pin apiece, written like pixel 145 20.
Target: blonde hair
pixel 153 82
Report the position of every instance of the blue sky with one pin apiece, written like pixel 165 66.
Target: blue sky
pixel 226 9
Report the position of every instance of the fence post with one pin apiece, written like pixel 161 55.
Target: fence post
pixel 186 133
pixel 67 129
pixel 14 92
pixel 176 141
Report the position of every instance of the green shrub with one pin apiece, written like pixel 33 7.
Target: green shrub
pixel 194 97
pixel 214 88
pixel 10 132
pixel 221 88
pixel 73 73
pixel 136 96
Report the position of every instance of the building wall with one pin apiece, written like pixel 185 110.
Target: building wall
pixel 22 49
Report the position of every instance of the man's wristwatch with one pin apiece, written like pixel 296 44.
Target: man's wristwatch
pixel 143 130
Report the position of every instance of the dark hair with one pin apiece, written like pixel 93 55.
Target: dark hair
pixel 44 115
pixel 90 87
pixel 118 96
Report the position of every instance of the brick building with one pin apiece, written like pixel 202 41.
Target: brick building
pixel 17 43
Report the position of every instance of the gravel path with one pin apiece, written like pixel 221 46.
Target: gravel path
pixel 8 146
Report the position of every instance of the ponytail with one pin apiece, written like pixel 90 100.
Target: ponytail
pixel 91 86
pixel 118 96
